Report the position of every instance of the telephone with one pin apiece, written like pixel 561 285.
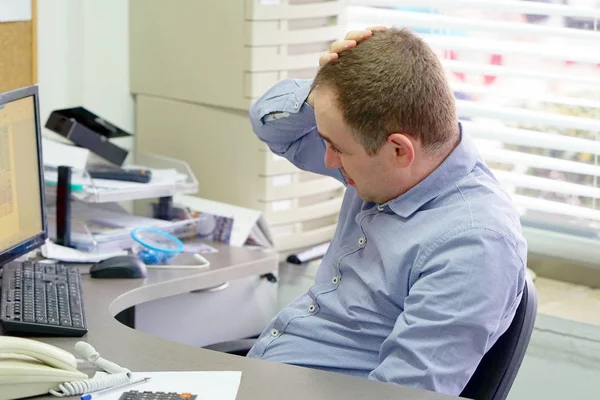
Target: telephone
pixel 31 368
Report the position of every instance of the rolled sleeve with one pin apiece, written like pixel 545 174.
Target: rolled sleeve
pixel 270 114
pixel 283 120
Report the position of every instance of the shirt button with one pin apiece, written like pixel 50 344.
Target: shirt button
pixel 312 308
pixel 335 280
pixel 296 105
pixel 274 333
pixel 362 241
pixel 380 207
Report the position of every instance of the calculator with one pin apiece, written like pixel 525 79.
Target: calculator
pixel 136 395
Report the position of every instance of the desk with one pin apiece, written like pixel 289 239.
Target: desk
pixel 137 351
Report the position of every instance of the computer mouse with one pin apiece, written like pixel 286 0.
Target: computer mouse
pixel 120 267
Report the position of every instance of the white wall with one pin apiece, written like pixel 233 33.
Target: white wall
pixel 54 57
pixel 83 58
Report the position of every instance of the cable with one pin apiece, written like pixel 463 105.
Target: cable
pixel 117 375
pixel 90 385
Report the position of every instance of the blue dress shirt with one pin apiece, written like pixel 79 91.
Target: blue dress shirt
pixel 414 291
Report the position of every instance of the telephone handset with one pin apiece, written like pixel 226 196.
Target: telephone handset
pixel 31 368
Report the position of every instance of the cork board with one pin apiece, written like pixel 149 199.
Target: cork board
pixel 17 55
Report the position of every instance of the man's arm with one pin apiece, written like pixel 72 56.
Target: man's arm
pixel 463 292
pixel 286 123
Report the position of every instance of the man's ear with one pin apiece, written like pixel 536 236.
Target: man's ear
pixel 403 149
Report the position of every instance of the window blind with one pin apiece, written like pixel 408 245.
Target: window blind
pixel 526 76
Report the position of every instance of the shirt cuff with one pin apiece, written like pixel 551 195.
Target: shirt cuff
pixel 295 103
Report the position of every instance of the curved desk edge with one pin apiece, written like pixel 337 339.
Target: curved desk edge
pixel 187 283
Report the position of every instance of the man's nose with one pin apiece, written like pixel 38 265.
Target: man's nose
pixel 332 160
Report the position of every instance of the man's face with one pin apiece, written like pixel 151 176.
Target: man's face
pixel 371 175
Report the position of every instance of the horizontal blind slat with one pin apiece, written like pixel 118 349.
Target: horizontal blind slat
pixel 518 93
pixel 547 51
pixel 555 207
pixel 467 108
pixel 440 23
pixel 537 161
pixel 524 137
pixel 535 8
pixel 465 66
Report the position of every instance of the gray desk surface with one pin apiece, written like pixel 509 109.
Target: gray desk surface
pixel 260 379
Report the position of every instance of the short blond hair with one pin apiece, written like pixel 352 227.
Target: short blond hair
pixel 392 82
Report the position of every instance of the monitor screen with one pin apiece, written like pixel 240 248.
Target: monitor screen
pixel 22 219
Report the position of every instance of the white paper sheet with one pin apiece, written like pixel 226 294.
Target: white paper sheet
pixel 56 154
pixel 247 223
pixel 213 385
pixel 54 251
pixel 15 10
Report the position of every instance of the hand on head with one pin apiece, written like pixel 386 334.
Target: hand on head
pixel 350 41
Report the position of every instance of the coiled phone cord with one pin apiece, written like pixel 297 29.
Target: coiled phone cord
pixel 116 375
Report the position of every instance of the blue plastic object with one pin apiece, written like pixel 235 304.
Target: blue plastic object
pixel 154 246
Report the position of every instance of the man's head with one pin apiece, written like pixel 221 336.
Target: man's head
pixel 386 110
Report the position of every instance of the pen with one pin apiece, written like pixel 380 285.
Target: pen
pixel 90 396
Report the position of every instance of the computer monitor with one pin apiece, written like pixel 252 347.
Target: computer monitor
pixel 23 225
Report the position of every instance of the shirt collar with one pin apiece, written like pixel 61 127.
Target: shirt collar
pixel 456 166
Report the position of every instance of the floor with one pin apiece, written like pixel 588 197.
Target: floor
pixel 567 300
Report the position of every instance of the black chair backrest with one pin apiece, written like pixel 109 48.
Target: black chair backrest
pixel 498 368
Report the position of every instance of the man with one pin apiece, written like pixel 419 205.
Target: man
pixel 427 265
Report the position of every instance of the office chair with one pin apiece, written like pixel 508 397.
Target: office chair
pixel 498 368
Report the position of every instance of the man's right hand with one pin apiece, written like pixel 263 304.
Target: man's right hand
pixel 350 41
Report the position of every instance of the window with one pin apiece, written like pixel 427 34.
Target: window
pixel 526 76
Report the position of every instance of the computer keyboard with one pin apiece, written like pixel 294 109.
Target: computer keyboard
pixel 43 299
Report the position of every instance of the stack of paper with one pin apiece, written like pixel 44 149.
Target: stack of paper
pixel 107 227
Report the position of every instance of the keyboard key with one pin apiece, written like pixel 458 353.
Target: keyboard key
pixel 78 323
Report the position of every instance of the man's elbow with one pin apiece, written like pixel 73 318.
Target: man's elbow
pixel 260 129
pixel 254 114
